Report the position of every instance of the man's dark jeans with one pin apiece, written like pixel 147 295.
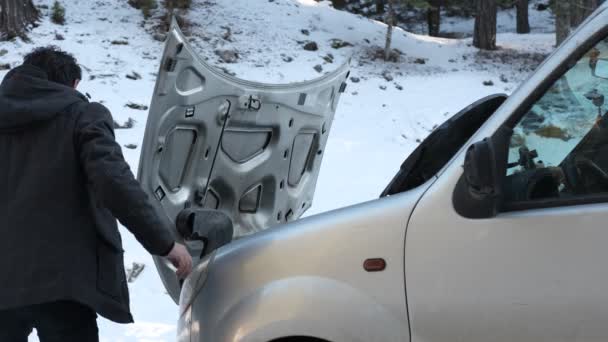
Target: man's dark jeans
pixel 62 321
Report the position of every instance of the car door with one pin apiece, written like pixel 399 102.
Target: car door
pixel 250 150
pixel 534 270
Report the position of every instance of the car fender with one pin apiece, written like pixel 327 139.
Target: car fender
pixel 307 278
pixel 307 306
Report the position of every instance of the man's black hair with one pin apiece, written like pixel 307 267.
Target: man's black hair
pixel 60 66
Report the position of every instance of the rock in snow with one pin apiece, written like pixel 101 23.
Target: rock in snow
pixel 311 46
pixel 227 56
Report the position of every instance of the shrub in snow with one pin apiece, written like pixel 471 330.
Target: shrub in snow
pixel 146 6
pixel 165 23
pixel 227 56
pixel 182 4
pixel 339 43
pixel 311 46
pixel 58 13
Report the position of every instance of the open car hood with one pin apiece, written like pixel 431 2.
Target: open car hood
pixel 250 150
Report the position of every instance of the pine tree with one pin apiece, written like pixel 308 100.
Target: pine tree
pixel 484 36
pixel 562 20
pixel 379 6
pixel 339 3
pixel 16 17
pixel 569 14
pixel 390 21
pixel 434 17
pixel 523 21
pixel 58 13
pixel 580 10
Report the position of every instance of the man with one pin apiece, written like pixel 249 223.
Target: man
pixel 63 181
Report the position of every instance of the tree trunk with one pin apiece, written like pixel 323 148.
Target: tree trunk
pixel 590 7
pixel 580 10
pixel 523 22
pixel 577 12
pixel 380 6
pixel 485 25
pixel 390 21
pixel 16 17
pixel 339 4
pixel 434 17
pixel 562 21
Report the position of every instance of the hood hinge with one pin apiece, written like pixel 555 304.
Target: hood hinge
pixel 250 102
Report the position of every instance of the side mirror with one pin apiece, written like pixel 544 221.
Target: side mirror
pixel 478 191
pixel 480 170
pixel 213 227
pixel 599 68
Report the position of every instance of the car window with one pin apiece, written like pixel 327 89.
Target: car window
pixel 560 146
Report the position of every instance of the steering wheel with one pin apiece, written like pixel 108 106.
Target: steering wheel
pixel 571 175
pixel 586 165
pixel 578 170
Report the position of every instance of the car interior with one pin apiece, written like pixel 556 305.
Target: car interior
pixel 559 147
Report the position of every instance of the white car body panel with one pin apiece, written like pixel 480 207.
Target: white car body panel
pixel 307 279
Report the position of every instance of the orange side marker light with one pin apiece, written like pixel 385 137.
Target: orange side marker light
pixel 374 265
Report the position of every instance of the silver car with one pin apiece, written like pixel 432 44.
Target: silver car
pixel 494 229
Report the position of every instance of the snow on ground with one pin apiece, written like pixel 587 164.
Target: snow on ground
pixel 378 122
pixel 270 47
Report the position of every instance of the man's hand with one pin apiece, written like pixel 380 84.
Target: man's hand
pixel 181 259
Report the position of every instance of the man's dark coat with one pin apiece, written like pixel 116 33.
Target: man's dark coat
pixel 63 181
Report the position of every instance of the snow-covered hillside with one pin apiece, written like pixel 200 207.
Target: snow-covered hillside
pixel 387 110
